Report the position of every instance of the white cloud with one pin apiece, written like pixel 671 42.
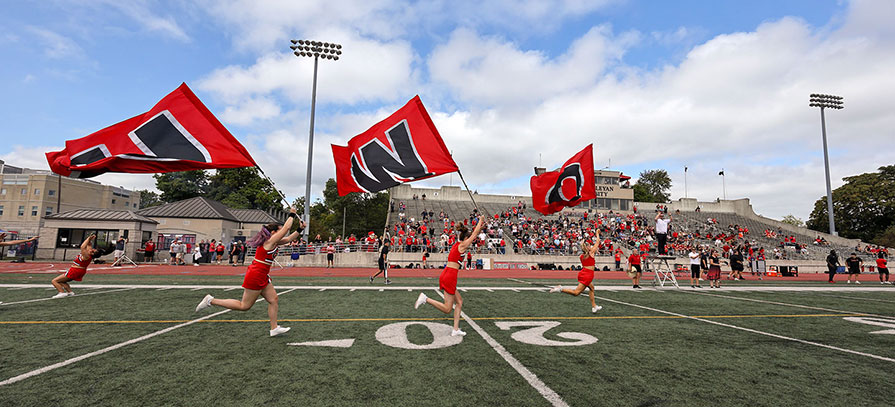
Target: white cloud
pixel 57 46
pixel 142 13
pixel 368 70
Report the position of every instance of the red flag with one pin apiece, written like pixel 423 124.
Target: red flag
pixel 402 148
pixel 178 134
pixel 567 186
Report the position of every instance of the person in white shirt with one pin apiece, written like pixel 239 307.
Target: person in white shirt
pixel 694 267
pixel 662 231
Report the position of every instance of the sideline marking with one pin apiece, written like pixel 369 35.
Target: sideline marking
pixel 754 331
pixel 174 321
pixel 530 377
pixel 113 347
pixel 51 298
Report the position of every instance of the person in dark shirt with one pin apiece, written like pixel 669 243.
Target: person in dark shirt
pixel 736 265
pixel 854 264
pixel 383 261
pixel 832 264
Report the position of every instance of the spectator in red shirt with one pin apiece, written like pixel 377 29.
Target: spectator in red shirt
pixel 634 270
pixel 881 267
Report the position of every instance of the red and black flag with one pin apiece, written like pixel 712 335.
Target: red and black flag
pixel 567 186
pixel 178 134
pixel 402 148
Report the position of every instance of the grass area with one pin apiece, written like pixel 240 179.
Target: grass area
pixel 641 356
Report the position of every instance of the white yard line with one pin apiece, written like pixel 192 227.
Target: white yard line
pixel 51 298
pixel 45 369
pixel 753 330
pixel 530 377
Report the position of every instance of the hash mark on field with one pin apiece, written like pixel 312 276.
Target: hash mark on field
pixel 752 330
pixel 163 289
pixel 231 288
pixel 322 289
pixel 489 290
pixel 381 289
pixel 197 289
pixel 409 289
pixel 530 377
pixel 514 290
pixel 353 289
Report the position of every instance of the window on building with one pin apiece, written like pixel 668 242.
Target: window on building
pixel 126 204
pixel 2 191
pixel 49 211
pixel 113 200
pixel 21 210
pixel 51 192
pixel 163 241
pixel 33 211
pixel 24 191
pixel 1 210
pixel 36 191
pixel 625 205
pixel 135 205
pixel 72 238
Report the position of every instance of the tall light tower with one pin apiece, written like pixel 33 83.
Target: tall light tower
pixel 826 102
pixel 317 50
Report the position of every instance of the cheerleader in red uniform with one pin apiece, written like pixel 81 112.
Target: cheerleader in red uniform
pixel 257 281
pixel 586 275
pixel 448 279
pixel 78 269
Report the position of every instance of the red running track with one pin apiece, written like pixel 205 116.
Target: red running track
pixel 226 270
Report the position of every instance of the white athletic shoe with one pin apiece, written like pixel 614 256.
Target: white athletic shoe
pixel 857 282
pixel 60 295
pixel 556 289
pixel 847 281
pixel 71 294
pixel 205 303
pixel 279 330
pixel 420 301
pixel 457 333
pixel 595 309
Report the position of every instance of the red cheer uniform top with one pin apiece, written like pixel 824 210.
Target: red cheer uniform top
pixel 634 259
pixel 587 261
pixel 263 260
pixel 454 255
pixel 80 263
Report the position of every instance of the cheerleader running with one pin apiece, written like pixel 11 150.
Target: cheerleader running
pixel 448 279
pixel 257 281
pixel 79 267
pixel 586 275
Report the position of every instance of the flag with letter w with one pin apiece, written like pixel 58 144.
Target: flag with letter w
pixel 570 185
pixel 178 134
pixel 404 147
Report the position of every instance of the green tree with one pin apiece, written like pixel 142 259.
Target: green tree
pixel 887 238
pixel 243 188
pixel 652 186
pixel 362 213
pixel 864 207
pixel 793 220
pixel 176 186
pixel 148 198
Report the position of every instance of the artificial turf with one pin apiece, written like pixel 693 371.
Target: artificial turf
pixel 641 357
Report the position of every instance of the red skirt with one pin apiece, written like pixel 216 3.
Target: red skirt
pixel 448 280
pixel 76 273
pixel 585 276
pixel 256 278
pixel 714 273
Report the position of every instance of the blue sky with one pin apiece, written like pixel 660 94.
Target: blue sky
pixel 653 84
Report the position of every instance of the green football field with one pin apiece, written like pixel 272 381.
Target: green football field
pixel 127 340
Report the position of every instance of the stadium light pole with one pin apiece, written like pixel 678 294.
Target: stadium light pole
pixel 317 50
pixel 826 102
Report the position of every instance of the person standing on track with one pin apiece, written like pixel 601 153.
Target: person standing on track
pixel 881 267
pixel 220 251
pixel 694 267
pixel 832 264
pixel 149 251
pixel 714 274
pixel 586 275
pixel 854 264
pixel 634 270
pixel 330 254
pixel 78 269
pixel 383 260
pixel 448 279
pixel 257 281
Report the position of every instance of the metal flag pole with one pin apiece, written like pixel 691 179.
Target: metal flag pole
pixel 280 193
pixel 468 192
